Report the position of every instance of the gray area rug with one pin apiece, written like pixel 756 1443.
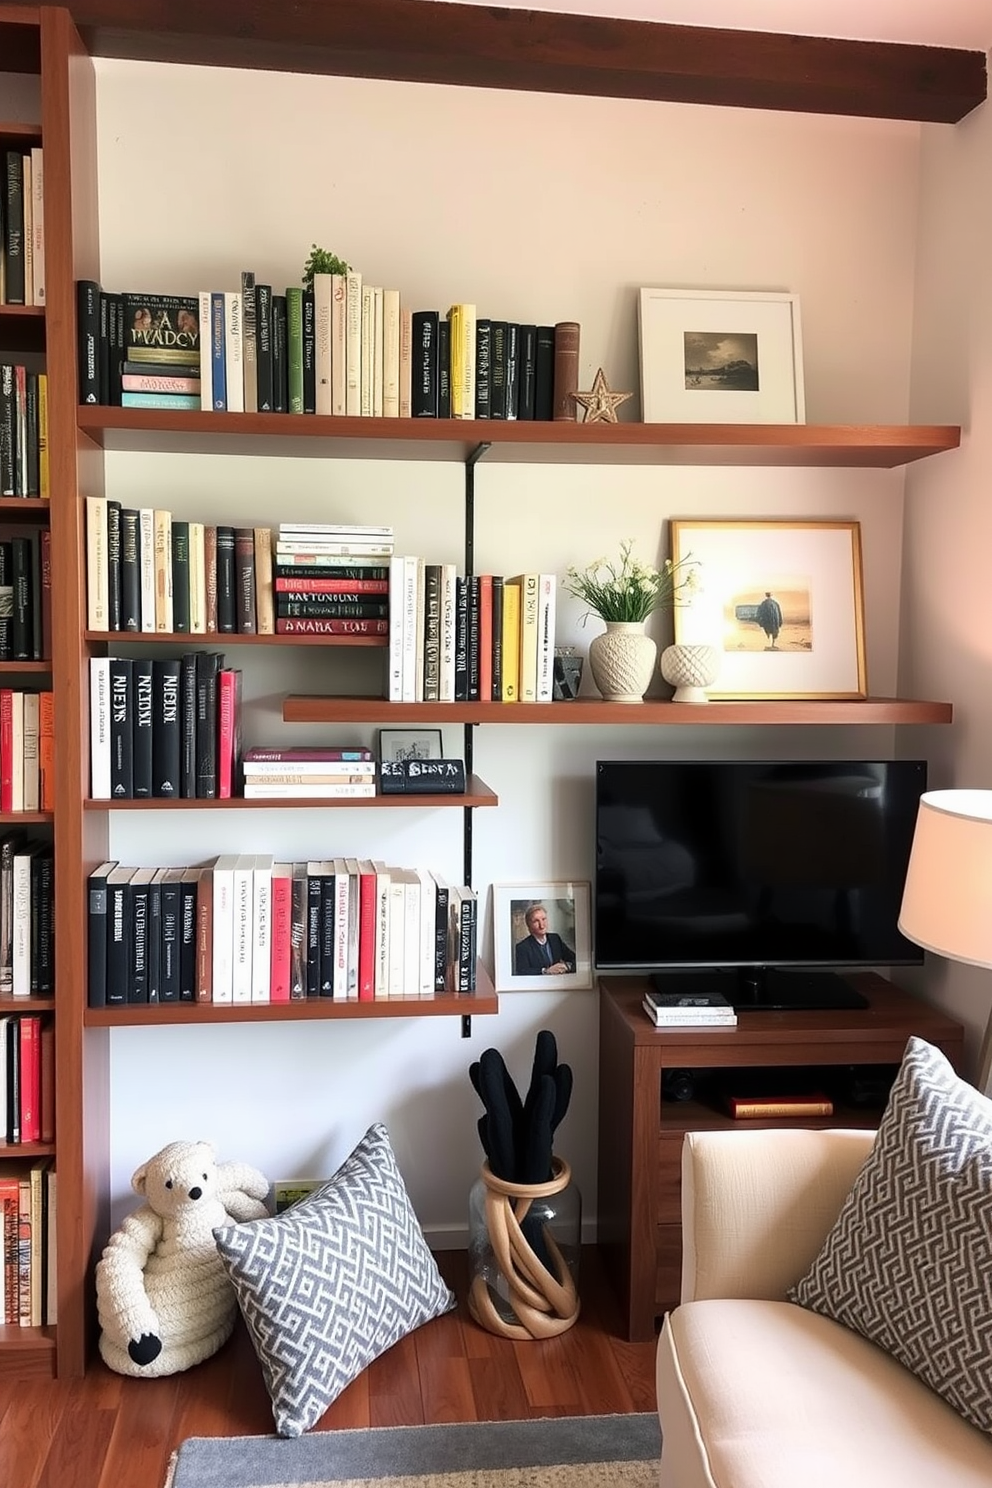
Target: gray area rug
pixel 558 1452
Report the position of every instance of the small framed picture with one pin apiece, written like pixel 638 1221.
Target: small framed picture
pixel 541 935
pixel 410 744
pixel 720 357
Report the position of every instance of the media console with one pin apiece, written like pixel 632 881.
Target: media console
pixel 641 1131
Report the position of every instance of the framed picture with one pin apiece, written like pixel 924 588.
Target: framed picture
pixel 720 357
pixel 410 744
pixel 541 935
pixel 782 601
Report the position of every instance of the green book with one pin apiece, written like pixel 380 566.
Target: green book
pixel 294 349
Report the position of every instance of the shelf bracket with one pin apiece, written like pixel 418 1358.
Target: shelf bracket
pixel 466 1025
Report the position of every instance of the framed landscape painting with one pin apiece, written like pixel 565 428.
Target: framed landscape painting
pixel 720 357
pixel 783 603
pixel 541 935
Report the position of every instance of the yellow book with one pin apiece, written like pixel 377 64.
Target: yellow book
pixel 163 571
pixel 44 471
pixel 511 641
pixel 265 614
pixel 461 319
pixel 529 633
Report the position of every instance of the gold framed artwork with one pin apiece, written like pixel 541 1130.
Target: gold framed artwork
pixel 782 600
pixel 720 357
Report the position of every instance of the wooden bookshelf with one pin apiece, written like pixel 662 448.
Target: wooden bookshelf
pixel 476 794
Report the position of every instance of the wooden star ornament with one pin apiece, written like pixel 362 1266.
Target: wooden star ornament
pixel 599 402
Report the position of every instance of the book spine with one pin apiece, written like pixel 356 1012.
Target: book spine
pixel 566 370
pixel 227 607
pixel 322 363
pixel 97 569
pixel 527 372
pixel 197 580
pixel 281 939
pixel 164 601
pixel 13 227
pixel 249 339
pixel 99 727
pixel 353 344
pixel 218 351
pixel 187 729
pixel 46 751
pixel 166 745
pixel 206 350
pixel 233 352
pixel 143 732
pixel 512 374
pixel 180 577
pixel 309 353
pixel 210 579
pixel 758 1107
pixel 390 353
pixel 244 580
pixel 528 637
pixel 263 331
pixel 88 332
pixel 483 366
pixel 312 625
pixel 280 353
pixel 146 526
pixel 423 395
pixel 544 373
pixel 121 729
pixel 137 986
pixel 170 940
pixel 130 617
pixel 294 350
pixel 187 936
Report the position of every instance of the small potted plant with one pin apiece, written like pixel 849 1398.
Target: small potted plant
pixel 623 595
pixel 320 261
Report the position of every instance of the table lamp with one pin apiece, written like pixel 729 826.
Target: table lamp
pixel 947 899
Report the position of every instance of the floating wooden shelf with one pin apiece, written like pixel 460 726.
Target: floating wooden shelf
pixel 477 794
pixel 15 668
pixel 595 710
pixel 866 445
pixel 14 818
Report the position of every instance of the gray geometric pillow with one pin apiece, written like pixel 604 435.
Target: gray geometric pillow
pixel 908 1264
pixel 332 1282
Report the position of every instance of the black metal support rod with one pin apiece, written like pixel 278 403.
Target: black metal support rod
pixel 472 459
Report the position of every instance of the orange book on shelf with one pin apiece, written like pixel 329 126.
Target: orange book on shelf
pixel 46 750
pixel 763 1107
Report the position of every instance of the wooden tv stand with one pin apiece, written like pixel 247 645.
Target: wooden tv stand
pixel 640 1133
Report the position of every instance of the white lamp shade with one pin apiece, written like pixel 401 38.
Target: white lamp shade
pixel 947 901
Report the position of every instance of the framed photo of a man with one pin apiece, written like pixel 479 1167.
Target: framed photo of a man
pixel 541 935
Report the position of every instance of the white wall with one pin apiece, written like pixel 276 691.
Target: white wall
pixel 536 208
pixel 947 638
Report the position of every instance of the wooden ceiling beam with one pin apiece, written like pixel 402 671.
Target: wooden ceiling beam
pixel 539 51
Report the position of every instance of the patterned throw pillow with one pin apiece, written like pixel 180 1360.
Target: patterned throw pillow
pixel 334 1281
pixel 908 1263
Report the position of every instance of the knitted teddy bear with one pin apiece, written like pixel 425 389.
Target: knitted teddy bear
pixel 163 1297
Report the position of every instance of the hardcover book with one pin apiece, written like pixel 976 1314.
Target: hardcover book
pixel 166 325
pixel 424 389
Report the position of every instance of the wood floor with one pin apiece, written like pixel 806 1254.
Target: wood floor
pixel 106 1431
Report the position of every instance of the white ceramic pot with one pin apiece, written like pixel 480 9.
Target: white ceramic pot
pixel 690 669
pixel 622 660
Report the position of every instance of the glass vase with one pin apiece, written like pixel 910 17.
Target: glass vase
pixel 524 1243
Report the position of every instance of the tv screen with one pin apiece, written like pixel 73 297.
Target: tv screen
pixel 754 868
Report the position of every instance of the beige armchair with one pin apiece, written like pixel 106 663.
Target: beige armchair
pixel 756 1392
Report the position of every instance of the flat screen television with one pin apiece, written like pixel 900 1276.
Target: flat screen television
pixel 755 879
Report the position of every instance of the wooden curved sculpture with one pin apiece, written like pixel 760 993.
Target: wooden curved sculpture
pixel 545 1304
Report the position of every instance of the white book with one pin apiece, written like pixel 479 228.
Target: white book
pixel 339 344
pixel 391 353
pixel 261 951
pixel 354 926
pixel 547 585
pixel 287 548
pixel 397 932
pixel 197 580
pixel 97 570
pixel 17 751
pixel 428 904
pixel 528 637
pixel 342 910
pixel 163 570
pixel 411 934
pixel 396 572
pixel 21 958
pixel 328 530
pixel 368 349
pixel 243 875
pixel 381 942
pixel 262 770
pixel 446 663
pixel 419 630
pixel 261 790
pixel 406 363
pixel 322 309
pixel 31 791
pixel 413 571
pixel 38 223
pixel 100 728
pixel 146 560
pixel 377 366
pixel 222 876
pixel 234 352
pixel 206 352
pixel 353 346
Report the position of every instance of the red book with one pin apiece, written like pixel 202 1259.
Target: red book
pixel 331 627
pixel 30 1036
pixel 228 733
pixel 282 925
pixel 6 749
pixel 332 586
pixel 10 1218
pixel 46 751
pixel 485 636
pixel 367 911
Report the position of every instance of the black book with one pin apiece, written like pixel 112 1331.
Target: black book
pixel 472 642
pixel 13 229
pixel 96 935
pixel 467 941
pixel 165 727
pixel 32 487
pixel 187 941
pixel 263 346
pixel 280 355
pixel 314 928
pixel 180 576
pixel 8 431
pixel 244 580
pixel 527 372
pixel 309 353
pixel 422 777
pixel 118 934
pixel 113 565
pixel 88 332
pixel 461 640
pixel 116 350
pixel 130 545
pixel 137 967
pixel 22 630
pixel 423 382
pixel 440 932
pixel 497 686
pixel 10 1117
pixel 483 367
pixel 512 369
pixel 227 609
pixel 6 600
pixel 154 950
pixel 497 369
pixel 170 935
pixel 143 731
pixel 187 733
pixel 34 559
pixel 544 380
pixel 328 922
pixel 298 934
pixel 443 367
pixel 208 664
pixel 121 728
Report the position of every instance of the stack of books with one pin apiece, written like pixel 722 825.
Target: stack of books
pixel 320 773
pixel 332 578
pixel 27 1254
pixel 689 1010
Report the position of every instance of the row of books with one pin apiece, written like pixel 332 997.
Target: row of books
pixel 320 773
pixel 27 1078
pixel 342 347
pixel 484 637
pixel 26 596
pixel 27 916
pixel 24 463
pixel 165 727
pixel 22 228
pixel 244 928
pixel 27 751
pixel 27 1243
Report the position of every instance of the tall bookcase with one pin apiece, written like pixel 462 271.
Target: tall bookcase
pixel 376 42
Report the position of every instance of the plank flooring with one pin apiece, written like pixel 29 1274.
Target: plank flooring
pixel 105 1431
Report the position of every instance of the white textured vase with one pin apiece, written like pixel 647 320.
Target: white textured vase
pixel 622 661
pixel 690 669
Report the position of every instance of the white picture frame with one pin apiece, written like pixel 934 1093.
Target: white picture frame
pixel 412 743
pixel 567 910
pixel 813 570
pixel 713 356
